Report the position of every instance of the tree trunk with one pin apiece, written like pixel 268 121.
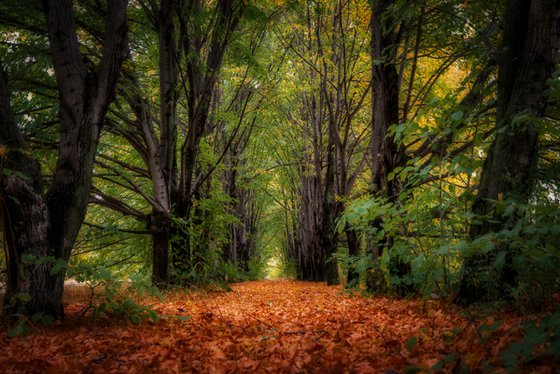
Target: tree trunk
pixel 386 153
pixel 353 277
pixel 329 237
pixel 162 155
pixel 375 277
pixel 329 244
pixel 159 226
pixel 530 43
pixel 42 230
pixel 181 231
pixel 31 288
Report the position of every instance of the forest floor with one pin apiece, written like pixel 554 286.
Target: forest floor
pixel 269 326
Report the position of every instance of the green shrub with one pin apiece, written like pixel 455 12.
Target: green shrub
pixel 110 296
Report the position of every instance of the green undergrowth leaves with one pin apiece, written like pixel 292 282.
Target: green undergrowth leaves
pixel 111 296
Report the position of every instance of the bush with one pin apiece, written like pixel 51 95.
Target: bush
pixel 520 263
pixel 115 297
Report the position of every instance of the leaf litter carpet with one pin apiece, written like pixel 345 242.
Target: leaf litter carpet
pixel 265 327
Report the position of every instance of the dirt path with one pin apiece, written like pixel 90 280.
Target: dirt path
pixel 267 326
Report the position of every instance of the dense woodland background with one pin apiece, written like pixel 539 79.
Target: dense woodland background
pixel 405 147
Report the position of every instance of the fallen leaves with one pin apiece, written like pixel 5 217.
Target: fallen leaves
pixel 266 326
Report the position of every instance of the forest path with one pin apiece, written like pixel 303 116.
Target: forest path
pixel 263 326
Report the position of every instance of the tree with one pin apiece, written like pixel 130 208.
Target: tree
pixel 192 38
pixel 40 228
pixel 526 64
pixel 329 54
pixel 241 238
pixel 157 146
pixel 200 76
pixel 386 153
pixel 416 48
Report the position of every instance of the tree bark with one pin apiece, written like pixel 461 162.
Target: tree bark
pixel 159 226
pixel 386 154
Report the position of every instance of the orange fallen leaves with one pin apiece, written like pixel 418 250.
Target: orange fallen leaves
pixel 268 327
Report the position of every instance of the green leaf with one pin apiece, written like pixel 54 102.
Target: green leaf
pixel 491 327
pixel 457 116
pixel 42 317
pixel 24 297
pixel 20 328
pixel 413 370
pixel 28 259
pixel 508 212
pixel 487 246
pixel 447 359
pixel 411 343
pixel 500 260
pixel 22 176
pixel 59 266
pixel 152 314
pixel 509 357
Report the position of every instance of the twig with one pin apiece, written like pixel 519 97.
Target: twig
pixel 383 337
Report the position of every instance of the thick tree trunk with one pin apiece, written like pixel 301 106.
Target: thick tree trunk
pixel 239 248
pixel 35 282
pixel 162 154
pixel 41 232
pixel 168 58
pixel 180 230
pixel 317 235
pixel 385 152
pixel 329 244
pixel 159 221
pixel 31 288
pixel 159 226
pixel 530 44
